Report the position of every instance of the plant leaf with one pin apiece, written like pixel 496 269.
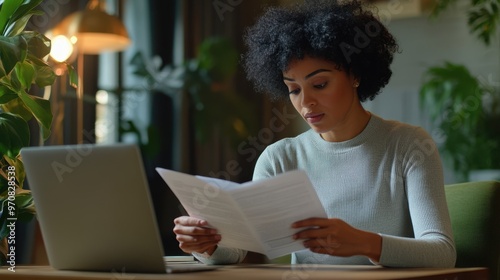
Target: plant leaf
pixel 25 73
pixel 6 95
pixel 483 20
pixel 24 210
pixel 17 107
pixel 41 111
pixel 45 75
pixel 4 230
pixel 38 44
pixel 9 7
pixel 18 164
pixel 12 51
pixel 15 134
pixel 3 72
pixel 453 96
pixel 23 198
pixel 26 8
pixel 219 57
pixel 4 184
pixel 16 27
pixel 73 76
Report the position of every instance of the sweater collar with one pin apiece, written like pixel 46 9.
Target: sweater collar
pixel 368 132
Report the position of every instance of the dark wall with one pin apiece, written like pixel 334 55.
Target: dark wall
pixel 166 205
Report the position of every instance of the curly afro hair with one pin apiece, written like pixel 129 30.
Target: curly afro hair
pixel 337 31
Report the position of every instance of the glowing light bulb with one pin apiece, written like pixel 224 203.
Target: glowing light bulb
pixel 61 49
pixel 102 97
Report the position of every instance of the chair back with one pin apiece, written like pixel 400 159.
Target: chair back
pixel 475 218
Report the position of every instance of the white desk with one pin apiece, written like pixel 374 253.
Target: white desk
pixel 240 272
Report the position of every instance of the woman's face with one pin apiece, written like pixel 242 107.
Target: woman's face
pixel 323 95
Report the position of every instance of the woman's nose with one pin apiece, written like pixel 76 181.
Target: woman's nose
pixel 308 99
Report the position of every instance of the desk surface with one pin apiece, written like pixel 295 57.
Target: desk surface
pixel 287 272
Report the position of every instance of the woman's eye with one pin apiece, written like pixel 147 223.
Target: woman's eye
pixel 295 91
pixel 320 86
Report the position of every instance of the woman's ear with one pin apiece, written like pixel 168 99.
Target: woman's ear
pixel 355 81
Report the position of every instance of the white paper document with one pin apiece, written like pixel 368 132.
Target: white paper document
pixel 255 216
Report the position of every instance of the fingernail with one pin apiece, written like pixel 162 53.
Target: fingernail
pixel 217 237
pixel 213 231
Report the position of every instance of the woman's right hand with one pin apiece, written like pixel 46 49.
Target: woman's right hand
pixel 194 235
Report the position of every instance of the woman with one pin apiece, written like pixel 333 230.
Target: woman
pixel 380 181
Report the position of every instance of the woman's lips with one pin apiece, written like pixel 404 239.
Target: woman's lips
pixel 313 118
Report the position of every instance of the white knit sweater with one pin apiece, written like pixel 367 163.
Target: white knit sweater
pixel 387 180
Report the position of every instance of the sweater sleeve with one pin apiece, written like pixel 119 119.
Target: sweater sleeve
pixel 222 255
pixel 264 166
pixel 433 244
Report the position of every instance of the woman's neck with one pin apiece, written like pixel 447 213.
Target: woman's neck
pixel 354 124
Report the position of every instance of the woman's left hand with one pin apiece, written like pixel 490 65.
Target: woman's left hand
pixel 337 238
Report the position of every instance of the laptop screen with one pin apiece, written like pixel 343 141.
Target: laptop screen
pixel 94 207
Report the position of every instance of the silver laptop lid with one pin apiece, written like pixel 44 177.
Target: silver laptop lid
pixel 94 207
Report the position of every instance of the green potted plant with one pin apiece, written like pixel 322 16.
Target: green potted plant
pixel 465 108
pixel 22 65
pixel 208 81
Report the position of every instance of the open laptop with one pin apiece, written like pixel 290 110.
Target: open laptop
pixel 94 209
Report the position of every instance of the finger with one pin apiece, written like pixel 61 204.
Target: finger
pixel 312 222
pixel 198 239
pixel 190 221
pixel 315 233
pixel 194 230
pixel 322 243
pixel 197 244
pixel 335 251
pixel 197 247
pixel 324 246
